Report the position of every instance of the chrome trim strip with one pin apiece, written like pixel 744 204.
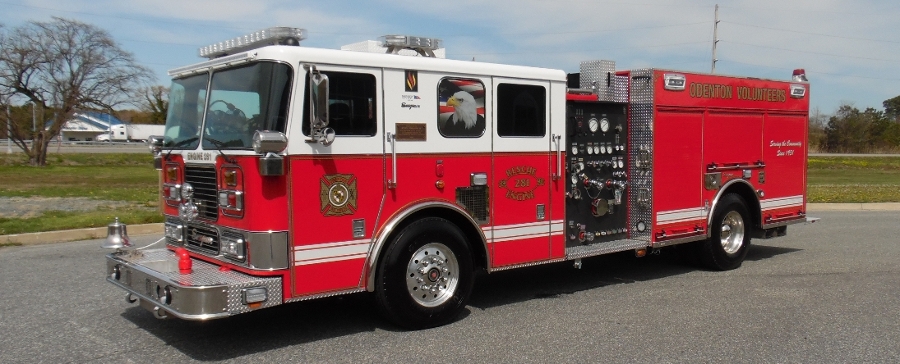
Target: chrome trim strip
pixel 694 213
pixel 324 295
pixel 608 247
pixel 388 228
pixel 687 239
pixel 774 203
pixel 795 220
pixel 523 265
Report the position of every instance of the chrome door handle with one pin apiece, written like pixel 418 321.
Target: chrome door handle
pixel 392 138
pixel 558 173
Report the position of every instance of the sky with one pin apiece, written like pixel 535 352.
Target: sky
pixel 850 49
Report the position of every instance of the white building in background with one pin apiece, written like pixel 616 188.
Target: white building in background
pixel 88 125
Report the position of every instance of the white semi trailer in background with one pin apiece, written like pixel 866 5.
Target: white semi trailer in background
pixel 131 132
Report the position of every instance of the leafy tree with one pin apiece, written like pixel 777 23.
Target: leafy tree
pixel 817 123
pixel 892 108
pixel 850 130
pixel 156 103
pixel 63 66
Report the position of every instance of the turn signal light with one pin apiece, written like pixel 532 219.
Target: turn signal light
pixel 231 200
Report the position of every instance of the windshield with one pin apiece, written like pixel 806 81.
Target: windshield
pixel 239 102
pixel 243 100
pixel 186 99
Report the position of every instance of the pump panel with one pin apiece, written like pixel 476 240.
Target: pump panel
pixel 596 173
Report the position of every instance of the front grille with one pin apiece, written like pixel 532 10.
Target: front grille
pixel 203 179
pixel 203 238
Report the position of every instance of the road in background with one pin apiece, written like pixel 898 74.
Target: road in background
pixel 827 292
pixel 88 147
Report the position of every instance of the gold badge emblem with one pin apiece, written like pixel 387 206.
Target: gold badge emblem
pixel 520 183
pixel 337 193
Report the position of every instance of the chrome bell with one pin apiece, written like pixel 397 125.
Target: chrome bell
pixel 116 236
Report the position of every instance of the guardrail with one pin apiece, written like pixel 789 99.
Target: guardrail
pixel 83 147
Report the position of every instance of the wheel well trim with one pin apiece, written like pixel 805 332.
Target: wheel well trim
pixel 388 230
pixel 729 187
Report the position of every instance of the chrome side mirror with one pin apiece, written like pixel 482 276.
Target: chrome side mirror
pixel 155 142
pixel 318 99
pixel 318 108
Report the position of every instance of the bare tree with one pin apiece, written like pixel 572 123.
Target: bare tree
pixel 63 66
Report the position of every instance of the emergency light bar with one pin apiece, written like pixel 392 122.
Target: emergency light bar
pixel 422 45
pixel 260 38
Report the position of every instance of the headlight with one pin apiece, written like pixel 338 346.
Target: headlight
pixel 175 232
pixel 233 247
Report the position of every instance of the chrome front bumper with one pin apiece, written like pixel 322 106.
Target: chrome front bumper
pixel 152 276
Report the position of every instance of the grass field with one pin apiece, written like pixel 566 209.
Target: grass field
pixel 854 179
pixel 128 183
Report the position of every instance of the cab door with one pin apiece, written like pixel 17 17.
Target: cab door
pixel 521 184
pixel 336 190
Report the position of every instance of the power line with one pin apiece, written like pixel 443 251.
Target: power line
pixel 811 33
pixel 812 71
pixel 123 17
pixel 578 51
pixel 810 52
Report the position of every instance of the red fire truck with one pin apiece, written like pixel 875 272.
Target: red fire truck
pixel 292 173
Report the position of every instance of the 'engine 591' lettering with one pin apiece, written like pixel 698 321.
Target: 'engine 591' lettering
pixel 198 156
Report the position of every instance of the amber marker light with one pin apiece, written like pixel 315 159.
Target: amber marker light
pixel 231 178
pixel 439 184
pixel 640 253
pixel 172 174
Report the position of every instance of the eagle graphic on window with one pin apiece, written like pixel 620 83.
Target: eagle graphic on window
pixel 461 109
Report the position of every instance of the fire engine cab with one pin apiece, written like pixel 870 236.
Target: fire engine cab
pixel 291 173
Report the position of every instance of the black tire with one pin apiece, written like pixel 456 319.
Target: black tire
pixel 425 276
pixel 729 238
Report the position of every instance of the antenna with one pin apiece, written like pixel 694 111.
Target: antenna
pixel 715 40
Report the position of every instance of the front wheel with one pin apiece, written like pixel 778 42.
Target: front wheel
pixel 425 276
pixel 729 238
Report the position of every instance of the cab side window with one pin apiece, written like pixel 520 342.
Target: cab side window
pixel 521 110
pixel 352 106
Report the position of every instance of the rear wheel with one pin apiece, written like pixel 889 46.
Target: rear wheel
pixel 425 276
pixel 729 238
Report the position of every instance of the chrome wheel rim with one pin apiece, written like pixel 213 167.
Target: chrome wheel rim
pixel 732 233
pixel 432 275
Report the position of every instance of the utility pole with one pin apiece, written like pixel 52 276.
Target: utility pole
pixel 8 131
pixel 33 119
pixel 715 40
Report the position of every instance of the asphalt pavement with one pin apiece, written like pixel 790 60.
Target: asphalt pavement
pixel 826 292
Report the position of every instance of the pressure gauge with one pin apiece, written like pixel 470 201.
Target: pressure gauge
pixel 593 124
pixel 574 149
pixel 596 149
pixel 574 179
pixel 604 125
